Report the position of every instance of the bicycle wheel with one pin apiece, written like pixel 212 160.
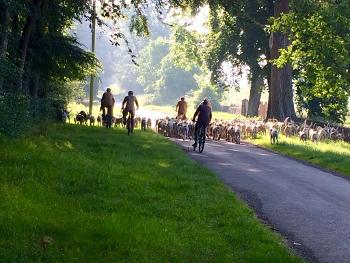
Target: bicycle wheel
pixel 132 124
pixel 196 141
pixel 201 140
pixel 128 125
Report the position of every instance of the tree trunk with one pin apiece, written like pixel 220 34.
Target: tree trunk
pixel 288 103
pixel 26 79
pixel 281 103
pixel 24 41
pixel 34 88
pixel 5 20
pixel 257 83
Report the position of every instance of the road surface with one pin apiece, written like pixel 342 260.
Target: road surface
pixel 308 206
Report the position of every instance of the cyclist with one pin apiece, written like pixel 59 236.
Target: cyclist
pixel 204 117
pixel 128 106
pixel 107 101
pixel 181 108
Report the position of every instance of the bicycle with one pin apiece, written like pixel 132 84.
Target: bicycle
pixel 200 139
pixel 130 123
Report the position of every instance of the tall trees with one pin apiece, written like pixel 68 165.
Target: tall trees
pixel 39 60
pixel 320 54
pixel 164 79
pixel 4 28
pixel 4 25
pixel 238 36
pixel 29 24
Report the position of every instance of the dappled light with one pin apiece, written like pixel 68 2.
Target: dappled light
pixel 66 145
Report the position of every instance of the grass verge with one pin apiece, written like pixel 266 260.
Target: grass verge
pixel 83 194
pixel 334 156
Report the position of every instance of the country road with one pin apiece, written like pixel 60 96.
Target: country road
pixel 308 206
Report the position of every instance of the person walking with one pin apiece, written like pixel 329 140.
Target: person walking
pixel 181 109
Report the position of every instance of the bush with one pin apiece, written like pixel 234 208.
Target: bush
pixel 15 113
pixel 19 113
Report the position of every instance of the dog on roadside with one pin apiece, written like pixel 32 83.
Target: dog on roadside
pixel 143 124
pixel 99 120
pixel 303 136
pixel 273 136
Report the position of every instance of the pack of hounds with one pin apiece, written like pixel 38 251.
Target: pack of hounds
pixel 237 129
pixel 83 118
pixel 231 131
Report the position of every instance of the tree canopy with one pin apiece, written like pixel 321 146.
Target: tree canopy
pixel 320 54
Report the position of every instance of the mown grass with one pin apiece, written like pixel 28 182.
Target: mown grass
pixel 331 155
pixel 102 196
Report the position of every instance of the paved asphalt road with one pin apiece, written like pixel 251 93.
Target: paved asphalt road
pixel 310 207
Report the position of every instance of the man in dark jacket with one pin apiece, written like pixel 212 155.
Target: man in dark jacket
pixel 204 117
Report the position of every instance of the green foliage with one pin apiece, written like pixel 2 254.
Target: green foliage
pixel 320 55
pixel 237 35
pixel 163 79
pixel 97 199
pixel 138 25
pixel 150 62
pixel 175 67
pixel 15 113
pixel 186 48
pixel 208 91
pixel 174 82
pixel 8 73
pixel 36 79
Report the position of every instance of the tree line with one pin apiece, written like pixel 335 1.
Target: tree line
pixel 303 44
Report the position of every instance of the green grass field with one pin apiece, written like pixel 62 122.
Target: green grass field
pixel 331 155
pixel 81 194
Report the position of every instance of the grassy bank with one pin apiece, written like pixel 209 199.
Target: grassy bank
pixel 334 156
pixel 84 194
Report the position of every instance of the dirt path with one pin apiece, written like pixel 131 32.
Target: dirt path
pixel 310 207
